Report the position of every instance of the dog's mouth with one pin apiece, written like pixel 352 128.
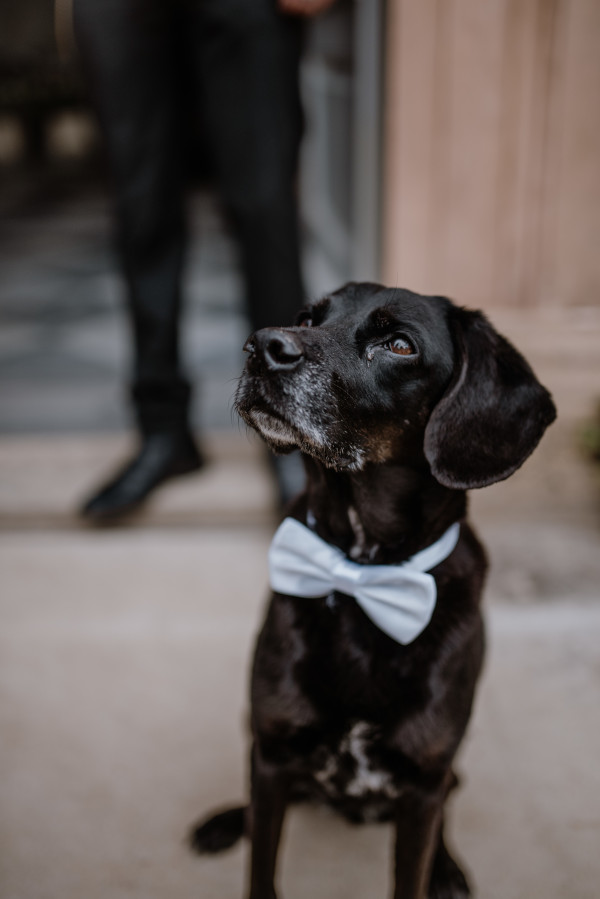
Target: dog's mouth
pixel 283 437
pixel 284 421
pixel 273 428
pixel 297 417
pixel 258 412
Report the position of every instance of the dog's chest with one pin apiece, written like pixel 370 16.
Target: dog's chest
pixel 351 769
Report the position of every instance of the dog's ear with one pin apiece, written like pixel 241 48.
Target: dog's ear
pixel 493 413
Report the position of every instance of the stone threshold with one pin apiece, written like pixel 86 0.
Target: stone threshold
pixel 45 479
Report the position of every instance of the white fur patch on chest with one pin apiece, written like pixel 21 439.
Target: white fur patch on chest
pixel 349 771
pixel 359 551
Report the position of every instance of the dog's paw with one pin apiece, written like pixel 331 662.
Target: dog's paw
pixel 217 833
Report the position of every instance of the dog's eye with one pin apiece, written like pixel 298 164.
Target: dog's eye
pixel 401 346
pixel 305 322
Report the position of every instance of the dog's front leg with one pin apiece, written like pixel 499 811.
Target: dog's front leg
pixel 269 787
pixel 418 822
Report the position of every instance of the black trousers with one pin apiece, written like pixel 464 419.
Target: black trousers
pixel 240 58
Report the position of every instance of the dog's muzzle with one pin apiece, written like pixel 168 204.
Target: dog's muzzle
pixel 276 348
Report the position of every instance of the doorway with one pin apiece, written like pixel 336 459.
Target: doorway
pixel 342 80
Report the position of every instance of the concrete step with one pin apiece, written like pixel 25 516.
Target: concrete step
pixel 540 526
pixel 46 478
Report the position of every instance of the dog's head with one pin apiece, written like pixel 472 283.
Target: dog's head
pixel 371 374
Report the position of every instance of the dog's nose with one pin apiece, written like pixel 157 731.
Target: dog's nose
pixel 278 348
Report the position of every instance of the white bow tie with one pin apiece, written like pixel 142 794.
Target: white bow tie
pixel 399 599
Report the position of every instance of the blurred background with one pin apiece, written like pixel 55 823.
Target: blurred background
pixel 449 146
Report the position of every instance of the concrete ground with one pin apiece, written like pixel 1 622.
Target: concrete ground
pixel 124 653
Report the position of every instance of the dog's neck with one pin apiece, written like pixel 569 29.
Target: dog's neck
pixel 381 515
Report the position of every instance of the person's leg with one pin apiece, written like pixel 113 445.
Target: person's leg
pixel 129 49
pixel 247 66
pixel 130 53
pixel 247 60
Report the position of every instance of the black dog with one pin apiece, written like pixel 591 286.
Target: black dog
pixel 400 404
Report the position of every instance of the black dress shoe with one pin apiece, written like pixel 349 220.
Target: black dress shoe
pixel 161 456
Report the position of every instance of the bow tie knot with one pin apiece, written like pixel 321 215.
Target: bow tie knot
pixel 345 578
pixel 399 599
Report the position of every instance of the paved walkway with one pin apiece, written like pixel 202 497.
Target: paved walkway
pixel 123 666
pixel 124 653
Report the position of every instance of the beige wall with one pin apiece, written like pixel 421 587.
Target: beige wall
pixel 491 190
